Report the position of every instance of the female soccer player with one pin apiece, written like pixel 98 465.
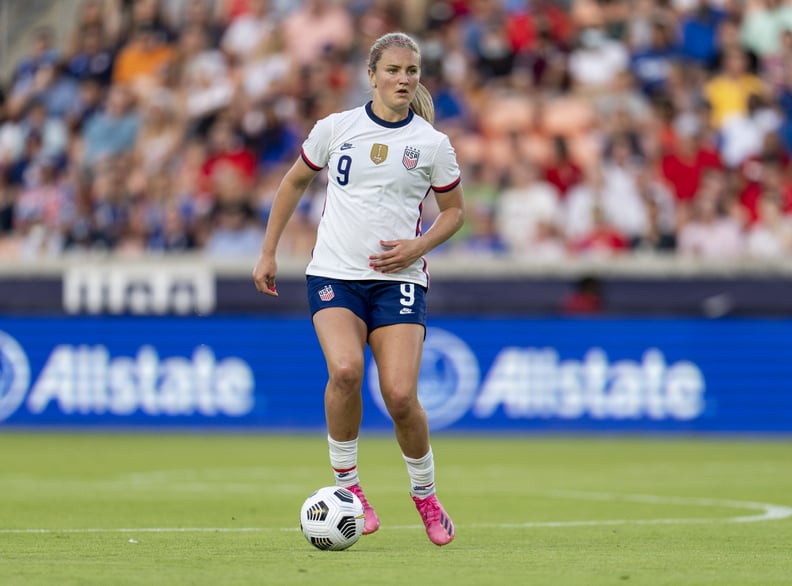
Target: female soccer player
pixel 367 278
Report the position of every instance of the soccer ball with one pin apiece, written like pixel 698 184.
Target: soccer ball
pixel 332 518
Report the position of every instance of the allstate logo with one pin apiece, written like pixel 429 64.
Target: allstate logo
pixel 448 382
pixel 14 375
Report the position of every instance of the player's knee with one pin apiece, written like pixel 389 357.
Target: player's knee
pixel 401 404
pixel 347 376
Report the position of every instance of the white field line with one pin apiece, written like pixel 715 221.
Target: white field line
pixel 765 512
pixel 769 512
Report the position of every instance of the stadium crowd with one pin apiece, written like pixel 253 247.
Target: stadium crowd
pixel 583 128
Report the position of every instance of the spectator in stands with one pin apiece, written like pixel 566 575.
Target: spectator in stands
pixel 227 150
pixel 776 65
pixel 577 214
pixel 109 203
pixel 699 32
pixel 763 173
pixel 88 102
pixel 729 40
pixel 526 201
pixel 561 170
pixel 597 61
pixel 615 18
pixel 771 235
pixel 161 132
pixel 453 67
pixel 451 108
pixel 658 235
pixel 729 90
pixel 247 32
pixel 549 245
pixel 230 182
pixel 645 15
pixel 474 19
pixel 652 65
pixel 149 194
pixel 625 109
pixel 138 14
pixel 51 129
pixel 236 232
pixel 267 71
pixel 528 26
pixel 482 188
pixel 547 57
pixel 113 130
pixel 135 233
pixel 93 57
pixel 205 14
pixel 102 19
pixel 31 152
pixel 23 79
pixel 493 55
pixel 56 89
pixel 140 61
pixel 174 234
pixel 712 231
pixel 763 24
pixel 622 202
pixel 205 83
pixel 743 136
pixel 602 239
pixel 484 237
pixel 271 135
pixel 687 158
pixel 43 210
pixel 330 26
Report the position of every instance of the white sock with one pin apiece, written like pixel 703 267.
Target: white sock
pixel 421 471
pixel 343 459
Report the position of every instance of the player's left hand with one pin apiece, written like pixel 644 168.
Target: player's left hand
pixel 396 255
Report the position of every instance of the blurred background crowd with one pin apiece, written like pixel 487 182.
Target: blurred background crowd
pixel 583 128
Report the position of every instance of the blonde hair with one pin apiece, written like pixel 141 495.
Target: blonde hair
pixel 422 103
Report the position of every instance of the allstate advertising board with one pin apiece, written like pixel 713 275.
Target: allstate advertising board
pixel 479 374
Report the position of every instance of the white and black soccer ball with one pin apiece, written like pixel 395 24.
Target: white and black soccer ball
pixel 332 518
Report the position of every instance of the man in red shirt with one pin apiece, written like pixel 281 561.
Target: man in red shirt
pixel 683 165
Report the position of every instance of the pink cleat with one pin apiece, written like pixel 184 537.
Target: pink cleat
pixel 439 526
pixel 372 521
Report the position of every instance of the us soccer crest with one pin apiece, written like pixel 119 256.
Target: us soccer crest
pixel 410 158
pixel 379 152
pixel 326 293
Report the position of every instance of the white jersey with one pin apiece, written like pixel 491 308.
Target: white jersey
pixel 379 174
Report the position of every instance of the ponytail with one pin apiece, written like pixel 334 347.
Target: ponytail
pixel 422 104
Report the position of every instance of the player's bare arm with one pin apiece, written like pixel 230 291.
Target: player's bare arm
pixel 400 254
pixel 291 189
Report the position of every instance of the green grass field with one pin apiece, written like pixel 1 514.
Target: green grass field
pixel 223 509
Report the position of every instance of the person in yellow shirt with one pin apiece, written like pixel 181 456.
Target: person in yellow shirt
pixel 729 90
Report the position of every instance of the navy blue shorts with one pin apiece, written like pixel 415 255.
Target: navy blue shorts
pixel 377 303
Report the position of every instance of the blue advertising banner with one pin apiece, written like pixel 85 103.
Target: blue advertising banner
pixel 479 374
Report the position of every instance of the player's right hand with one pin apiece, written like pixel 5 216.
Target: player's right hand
pixel 264 275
